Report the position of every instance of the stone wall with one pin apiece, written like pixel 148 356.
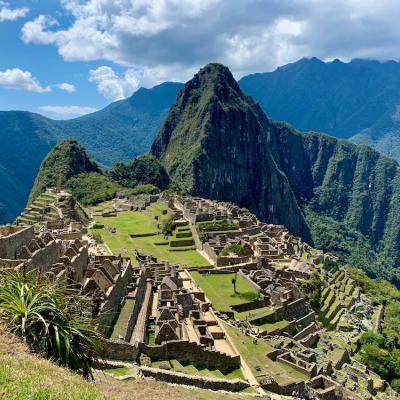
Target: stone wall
pixel 12 238
pixel 140 291
pixel 185 351
pixel 234 385
pixel 285 390
pixel 306 320
pixel 69 235
pixel 80 263
pixel 43 258
pixel 115 296
pixel 117 350
pixel 250 305
pixel 306 331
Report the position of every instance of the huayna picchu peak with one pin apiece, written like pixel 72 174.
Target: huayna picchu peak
pixel 213 144
pixel 217 143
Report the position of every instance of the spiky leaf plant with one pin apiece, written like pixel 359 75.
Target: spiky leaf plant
pixel 51 318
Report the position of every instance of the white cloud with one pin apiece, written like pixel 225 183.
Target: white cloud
pixel 9 14
pixel 156 37
pixel 67 87
pixel 112 86
pixel 21 80
pixel 68 110
pixel 18 79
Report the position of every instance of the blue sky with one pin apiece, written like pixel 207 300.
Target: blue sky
pixel 46 65
pixel 64 58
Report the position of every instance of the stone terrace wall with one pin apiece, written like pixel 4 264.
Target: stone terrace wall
pixel 234 385
pixel 111 307
pixel 140 292
pixel 190 352
pixel 251 305
pixel 117 350
pixel 10 243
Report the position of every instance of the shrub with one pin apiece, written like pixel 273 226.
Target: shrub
pixel 142 170
pixel 92 188
pixel 223 223
pixel 232 248
pixel 167 226
pixel 52 319
pixel 96 236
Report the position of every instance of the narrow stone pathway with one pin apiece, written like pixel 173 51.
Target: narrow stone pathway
pixel 138 333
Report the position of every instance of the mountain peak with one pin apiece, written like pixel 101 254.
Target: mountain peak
pixel 67 159
pixel 215 144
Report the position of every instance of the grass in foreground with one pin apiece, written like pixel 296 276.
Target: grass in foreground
pixel 219 289
pixel 24 376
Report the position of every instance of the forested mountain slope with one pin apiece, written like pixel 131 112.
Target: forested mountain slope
pixel 217 143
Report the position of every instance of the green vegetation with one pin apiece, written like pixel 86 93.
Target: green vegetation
pixel 312 289
pixel 129 222
pixel 221 224
pixel 141 189
pixel 24 376
pixel 140 171
pixel 167 226
pixel 96 235
pixel 255 357
pixel 233 248
pixel 65 161
pixel 122 319
pixel 381 351
pixel 219 289
pixel 92 188
pixel 52 319
pixel 381 356
pixel 117 371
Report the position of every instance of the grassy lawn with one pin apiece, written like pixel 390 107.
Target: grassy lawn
pixel 258 312
pixel 254 356
pixel 129 222
pixel 118 371
pixel 122 320
pixel 269 327
pixel 219 289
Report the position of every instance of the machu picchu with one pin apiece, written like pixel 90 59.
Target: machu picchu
pixel 238 320
pixel 176 240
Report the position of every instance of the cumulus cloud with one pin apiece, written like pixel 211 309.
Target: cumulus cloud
pixel 18 79
pixel 171 38
pixel 11 14
pixel 112 86
pixel 67 87
pixel 68 110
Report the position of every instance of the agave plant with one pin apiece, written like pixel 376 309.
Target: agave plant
pixel 51 318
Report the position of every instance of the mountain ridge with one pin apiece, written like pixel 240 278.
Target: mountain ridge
pixel 121 131
pixel 217 143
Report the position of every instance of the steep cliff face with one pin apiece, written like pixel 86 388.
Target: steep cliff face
pixel 214 145
pixel 217 143
pixel 345 182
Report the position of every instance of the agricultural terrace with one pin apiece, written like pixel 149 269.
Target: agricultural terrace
pixel 254 354
pixel 219 289
pixel 144 224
